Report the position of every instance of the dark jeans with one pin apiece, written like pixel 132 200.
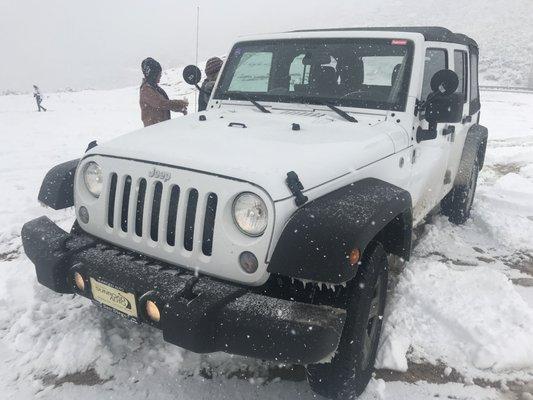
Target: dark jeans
pixel 39 106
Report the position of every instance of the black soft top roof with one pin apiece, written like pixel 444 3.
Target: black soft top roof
pixel 430 33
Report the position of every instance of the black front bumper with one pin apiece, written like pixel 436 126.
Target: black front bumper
pixel 198 313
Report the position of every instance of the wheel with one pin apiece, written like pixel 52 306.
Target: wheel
pixel 458 203
pixel 347 375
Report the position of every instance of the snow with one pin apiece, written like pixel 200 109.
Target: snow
pixel 464 303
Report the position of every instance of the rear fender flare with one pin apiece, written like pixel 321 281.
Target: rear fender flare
pixel 474 148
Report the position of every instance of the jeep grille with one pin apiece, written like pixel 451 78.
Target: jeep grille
pixel 163 212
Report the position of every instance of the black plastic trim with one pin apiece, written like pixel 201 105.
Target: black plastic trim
pixel 198 313
pixel 57 189
pixel 430 33
pixel 317 240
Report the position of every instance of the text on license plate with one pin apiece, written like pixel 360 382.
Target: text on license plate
pixel 114 298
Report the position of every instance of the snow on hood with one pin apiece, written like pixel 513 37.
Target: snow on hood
pixel 325 148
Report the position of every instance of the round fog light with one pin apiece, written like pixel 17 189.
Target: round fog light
pixel 79 281
pixel 83 213
pixel 248 262
pixel 152 311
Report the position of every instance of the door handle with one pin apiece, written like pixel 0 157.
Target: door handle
pixel 448 130
pixel 467 119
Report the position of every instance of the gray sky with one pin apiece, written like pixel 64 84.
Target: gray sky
pixel 100 43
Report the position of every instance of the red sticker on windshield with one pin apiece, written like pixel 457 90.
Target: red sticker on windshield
pixel 399 42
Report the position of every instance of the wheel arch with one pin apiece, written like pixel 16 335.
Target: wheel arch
pixel 474 148
pixel 318 238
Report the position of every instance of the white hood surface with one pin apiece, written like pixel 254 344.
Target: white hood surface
pixel 326 147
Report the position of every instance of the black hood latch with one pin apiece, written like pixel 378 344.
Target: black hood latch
pixel 296 187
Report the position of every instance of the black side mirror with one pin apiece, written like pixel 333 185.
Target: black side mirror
pixel 445 109
pixel 443 105
pixel 192 74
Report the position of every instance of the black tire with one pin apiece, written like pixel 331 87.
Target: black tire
pixel 350 370
pixel 458 203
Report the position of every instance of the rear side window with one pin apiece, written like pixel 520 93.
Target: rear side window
pixel 436 59
pixel 474 88
pixel 461 69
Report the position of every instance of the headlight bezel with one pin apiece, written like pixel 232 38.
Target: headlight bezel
pixel 94 193
pixel 235 219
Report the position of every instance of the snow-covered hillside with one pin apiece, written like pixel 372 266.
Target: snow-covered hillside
pixel 459 323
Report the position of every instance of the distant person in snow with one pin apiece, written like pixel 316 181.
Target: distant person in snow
pixel 155 104
pixel 212 68
pixel 38 98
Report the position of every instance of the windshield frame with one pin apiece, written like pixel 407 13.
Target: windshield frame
pixel 222 94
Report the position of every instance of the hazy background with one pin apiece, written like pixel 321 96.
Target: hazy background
pixel 100 43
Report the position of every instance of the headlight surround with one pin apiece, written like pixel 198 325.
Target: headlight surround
pixel 93 178
pixel 250 214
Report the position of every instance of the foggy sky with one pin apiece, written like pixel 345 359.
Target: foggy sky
pixel 100 43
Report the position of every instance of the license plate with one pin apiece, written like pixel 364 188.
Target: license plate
pixel 117 299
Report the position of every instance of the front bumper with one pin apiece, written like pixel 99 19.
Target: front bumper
pixel 198 313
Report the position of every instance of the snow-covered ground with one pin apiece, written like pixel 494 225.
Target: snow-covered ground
pixel 459 322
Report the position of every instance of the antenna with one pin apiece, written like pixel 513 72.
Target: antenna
pixel 197 47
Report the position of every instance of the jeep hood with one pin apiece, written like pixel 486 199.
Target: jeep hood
pixel 325 148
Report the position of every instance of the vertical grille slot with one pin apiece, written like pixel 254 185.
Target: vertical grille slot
pixel 111 200
pixel 156 207
pixel 190 217
pixel 172 215
pixel 125 204
pixel 209 224
pixel 140 208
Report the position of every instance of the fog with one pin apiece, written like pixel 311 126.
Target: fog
pixel 100 43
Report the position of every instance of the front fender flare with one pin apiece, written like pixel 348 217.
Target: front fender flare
pixel 316 242
pixel 57 189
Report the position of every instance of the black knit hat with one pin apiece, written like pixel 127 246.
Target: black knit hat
pixel 213 65
pixel 151 69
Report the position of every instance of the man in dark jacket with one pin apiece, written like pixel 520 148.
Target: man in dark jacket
pixel 212 68
pixel 154 102
pixel 38 98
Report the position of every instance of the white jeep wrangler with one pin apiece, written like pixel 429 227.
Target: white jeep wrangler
pixel 262 226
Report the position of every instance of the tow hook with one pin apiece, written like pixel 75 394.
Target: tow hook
pixel 296 187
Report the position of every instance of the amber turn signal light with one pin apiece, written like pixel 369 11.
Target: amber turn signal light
pixel 79 281
pixel 153 311
pixel 355 256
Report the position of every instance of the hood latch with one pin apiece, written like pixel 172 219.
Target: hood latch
pixel 296 187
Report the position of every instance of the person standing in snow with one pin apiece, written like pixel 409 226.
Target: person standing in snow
pixel 154 102
pixel 212 68
pixel 38 98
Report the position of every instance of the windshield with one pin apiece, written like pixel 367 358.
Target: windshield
pixel 365 73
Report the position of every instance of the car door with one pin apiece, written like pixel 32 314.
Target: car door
pixel 430 157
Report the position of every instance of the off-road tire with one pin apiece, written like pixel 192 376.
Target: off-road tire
pixel 350 370
pixel 458 203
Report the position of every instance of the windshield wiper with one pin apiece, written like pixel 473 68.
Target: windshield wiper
pixel 246 97
pixel 343 114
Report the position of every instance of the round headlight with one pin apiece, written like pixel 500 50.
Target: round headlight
pixel 250 214
pixel 92 175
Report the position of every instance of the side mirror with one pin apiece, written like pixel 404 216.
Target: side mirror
pixel 192 74
pixel 445 109
pixel 443 105
pixel 440 109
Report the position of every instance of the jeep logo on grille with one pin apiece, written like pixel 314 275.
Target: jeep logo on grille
pixel 155 173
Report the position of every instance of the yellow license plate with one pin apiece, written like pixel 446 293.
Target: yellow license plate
pixel 114 298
